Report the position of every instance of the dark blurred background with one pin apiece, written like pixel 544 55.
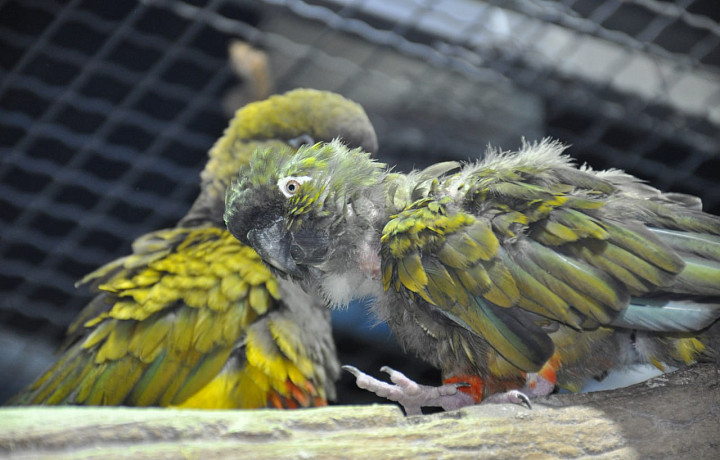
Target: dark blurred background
pixel 107 110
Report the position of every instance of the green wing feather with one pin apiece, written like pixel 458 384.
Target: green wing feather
pixel 503 245
pixel 451 261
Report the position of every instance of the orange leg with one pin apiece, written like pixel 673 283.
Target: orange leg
pixel 497 389
pixel 479 389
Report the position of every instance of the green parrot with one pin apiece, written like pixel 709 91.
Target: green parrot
pixel 511 275
pixel 193 318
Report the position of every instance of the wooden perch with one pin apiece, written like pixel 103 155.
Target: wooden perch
pixel 675 416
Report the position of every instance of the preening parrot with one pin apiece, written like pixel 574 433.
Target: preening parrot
pixel 193 318
pixel 511 275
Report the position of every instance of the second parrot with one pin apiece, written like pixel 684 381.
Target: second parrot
pixel 193 318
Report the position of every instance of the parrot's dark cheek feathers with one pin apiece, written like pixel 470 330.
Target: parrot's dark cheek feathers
pixel 310 246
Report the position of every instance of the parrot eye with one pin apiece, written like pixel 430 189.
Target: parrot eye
pixel 289 186
pixel 292 186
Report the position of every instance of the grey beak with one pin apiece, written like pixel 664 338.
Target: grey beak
pixel 273 244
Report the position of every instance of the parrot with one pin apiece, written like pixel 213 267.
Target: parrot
pixel 514 275
pixel 193 318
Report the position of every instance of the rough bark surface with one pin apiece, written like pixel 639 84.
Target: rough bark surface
pixel 675 416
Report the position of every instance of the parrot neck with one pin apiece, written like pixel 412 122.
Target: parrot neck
pixel 353 272
pixel 360 277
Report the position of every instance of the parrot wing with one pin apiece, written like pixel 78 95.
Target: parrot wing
pixel 507 244
pixel 194 319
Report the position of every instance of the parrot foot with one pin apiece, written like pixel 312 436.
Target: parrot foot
pixel 411 395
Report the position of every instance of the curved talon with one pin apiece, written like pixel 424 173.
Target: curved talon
pixel 512 396
pixel 524 400
pixel 401 380
pixel 352 369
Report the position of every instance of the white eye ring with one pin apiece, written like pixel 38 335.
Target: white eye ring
pixel 289 186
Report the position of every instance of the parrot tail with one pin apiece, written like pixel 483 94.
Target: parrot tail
pixel 668 309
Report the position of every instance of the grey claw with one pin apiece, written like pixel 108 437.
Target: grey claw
pixel 352 369
pixel 525 400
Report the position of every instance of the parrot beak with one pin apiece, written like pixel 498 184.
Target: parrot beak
pixel 273 244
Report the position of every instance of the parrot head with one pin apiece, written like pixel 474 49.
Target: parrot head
pixel 309 214
pixel 301 116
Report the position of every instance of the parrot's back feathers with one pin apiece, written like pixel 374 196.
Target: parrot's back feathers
pixel 186 330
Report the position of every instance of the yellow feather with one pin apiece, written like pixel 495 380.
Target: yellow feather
pixel 182 331
pixel 486 243
pixel 687 349
pixel 499 366
pixel 87 384
pixel 61 385
pixel 255 275
pixel 217 394
pixel 235 320
pixel 206 334
pixel 115 383
pixel 272 288
pixel 282 331
pixel 387 274
pixel 451 257
pixel 116 345
pixel 297 376
pixel 179 377
pixel 204 282
pixel 146 278
pixel 476 280
pixel 268 360
pixel 234 287
pixel 204 372
pixel 411 273
pixel 195 298
pixel 216 300
pixel 99 334
pixel 148 337
pixel 81 366
pixel 657 364
pixel 503 291
pixel 259 299
pixel 259 377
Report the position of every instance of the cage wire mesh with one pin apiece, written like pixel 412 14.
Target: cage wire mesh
pixel 107 110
